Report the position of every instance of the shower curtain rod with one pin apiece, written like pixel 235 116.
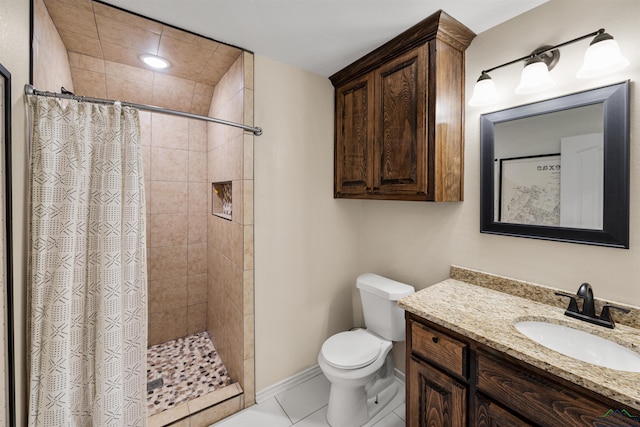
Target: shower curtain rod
pixel 30 90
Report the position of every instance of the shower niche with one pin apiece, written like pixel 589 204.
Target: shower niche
pixel 222 199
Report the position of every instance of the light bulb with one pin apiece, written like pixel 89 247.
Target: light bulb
pixel 602 57
pixel 484 92
pixel 535 77
pixel 155 61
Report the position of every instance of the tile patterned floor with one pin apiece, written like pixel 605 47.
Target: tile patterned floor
pixel 305 405
pixel 189 367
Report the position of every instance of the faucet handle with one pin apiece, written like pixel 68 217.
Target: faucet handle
pixel 606 313
pixel 573 305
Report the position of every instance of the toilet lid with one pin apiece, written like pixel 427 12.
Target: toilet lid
pixel 351 350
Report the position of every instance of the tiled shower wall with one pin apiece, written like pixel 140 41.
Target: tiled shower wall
pixel 183 274
pixel 175 164
pixel 201 265
pixel 50 62
pixel 230 159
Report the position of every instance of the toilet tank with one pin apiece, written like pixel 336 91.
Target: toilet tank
pixel 380 305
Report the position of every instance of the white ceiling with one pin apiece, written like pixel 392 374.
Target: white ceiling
pixel 321 36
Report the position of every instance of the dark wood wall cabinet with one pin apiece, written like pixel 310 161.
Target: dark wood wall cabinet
pixel 400 114
pixel 453 381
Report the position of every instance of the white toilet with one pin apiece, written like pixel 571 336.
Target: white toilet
pixel 359 363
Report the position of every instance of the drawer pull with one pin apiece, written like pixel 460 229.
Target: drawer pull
pixel 434 339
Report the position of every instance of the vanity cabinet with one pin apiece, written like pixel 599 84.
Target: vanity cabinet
pixel 441 398
pixel 438 388
pixel 490 414
pixel 455 381
pixel 399 116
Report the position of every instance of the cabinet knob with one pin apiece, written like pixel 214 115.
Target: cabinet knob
pixel 434 339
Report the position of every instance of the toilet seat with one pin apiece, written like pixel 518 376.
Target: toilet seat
pixel 352 349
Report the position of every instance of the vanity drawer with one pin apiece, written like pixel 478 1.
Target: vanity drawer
pixel 490 414
pixel 542 400
pixel 439 348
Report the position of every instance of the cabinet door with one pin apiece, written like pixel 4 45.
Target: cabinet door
pixel 490 414
pixel 354 132
pixel 400 145
pixel 542 399
pixel 434 399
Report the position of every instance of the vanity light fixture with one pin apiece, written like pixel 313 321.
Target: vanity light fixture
pixel 484 92
pixel 535 76
pixel 602 57
pixel 155 61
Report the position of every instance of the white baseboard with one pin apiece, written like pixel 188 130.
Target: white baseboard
pixel 287 383
pixel 298 379
pixel 400 376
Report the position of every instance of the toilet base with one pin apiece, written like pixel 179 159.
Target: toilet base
pixel 349 407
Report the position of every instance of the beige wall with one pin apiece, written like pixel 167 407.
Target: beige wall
pixel 310 247
pixel 14 55
pixel 306 252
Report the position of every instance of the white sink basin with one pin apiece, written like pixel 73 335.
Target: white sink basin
pixel 581 345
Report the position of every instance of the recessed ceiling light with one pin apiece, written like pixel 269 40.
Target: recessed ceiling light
pixel 155 61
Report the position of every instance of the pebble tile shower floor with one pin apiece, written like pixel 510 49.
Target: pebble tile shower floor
pixel 189 367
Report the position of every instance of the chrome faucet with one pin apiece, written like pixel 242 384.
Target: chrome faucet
pixel 588 312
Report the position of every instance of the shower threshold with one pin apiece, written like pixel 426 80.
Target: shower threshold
pixel 184 376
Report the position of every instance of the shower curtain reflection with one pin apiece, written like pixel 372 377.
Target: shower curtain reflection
pixel 87 275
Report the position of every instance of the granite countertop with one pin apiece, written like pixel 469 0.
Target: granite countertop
pixel 487 316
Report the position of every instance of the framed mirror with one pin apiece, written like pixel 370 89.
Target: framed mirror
pixel 6 312
pixel 558 169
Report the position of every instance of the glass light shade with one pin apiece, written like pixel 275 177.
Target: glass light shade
pixel 535 77
pixel 484 92
pixel 602 57
pixel 155 61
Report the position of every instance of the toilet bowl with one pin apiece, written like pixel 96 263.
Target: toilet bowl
pixel 356 364
pixel 359 363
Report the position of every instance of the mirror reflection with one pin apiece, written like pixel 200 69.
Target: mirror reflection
pixel 558 169
pixel 549 169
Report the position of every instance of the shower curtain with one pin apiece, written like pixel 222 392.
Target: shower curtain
pixel 87 273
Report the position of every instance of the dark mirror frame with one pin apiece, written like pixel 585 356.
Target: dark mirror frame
pixel 5 75
pixel 615 232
